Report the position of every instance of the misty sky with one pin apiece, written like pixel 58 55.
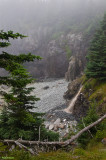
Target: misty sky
pixel 42 18
pixel 14 14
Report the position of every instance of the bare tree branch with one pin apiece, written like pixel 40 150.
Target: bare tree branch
pixel 59 144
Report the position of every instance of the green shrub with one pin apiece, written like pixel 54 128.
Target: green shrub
pixel 100 135
pixel 90 118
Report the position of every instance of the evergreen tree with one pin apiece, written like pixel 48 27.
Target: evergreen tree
pixel 17 119
pixel 96 67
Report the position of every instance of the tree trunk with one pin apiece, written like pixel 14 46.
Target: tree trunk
pixel 60 144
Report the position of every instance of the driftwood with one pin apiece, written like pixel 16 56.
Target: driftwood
pixel 54 144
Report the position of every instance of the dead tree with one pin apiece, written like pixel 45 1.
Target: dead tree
pixel 21 143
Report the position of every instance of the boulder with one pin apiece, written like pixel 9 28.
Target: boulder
pixel 46 87
pixel 104 141
pixel 47 126
pixel 62 126
pixel 55 127
pixel 57 122
pixel 51 126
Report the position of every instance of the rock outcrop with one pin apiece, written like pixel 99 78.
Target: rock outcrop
pixel 81 107
pixel 63 56
pixel 77 61
pixel 72 89
pixel 81 104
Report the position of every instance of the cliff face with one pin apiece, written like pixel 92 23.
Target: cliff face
pixel 78 59
pixel 63 55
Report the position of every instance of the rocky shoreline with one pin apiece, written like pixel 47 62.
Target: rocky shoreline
pixel 59 121
pixel 50 94
pixel 52 103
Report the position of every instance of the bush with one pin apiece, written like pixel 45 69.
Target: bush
pixel 90 118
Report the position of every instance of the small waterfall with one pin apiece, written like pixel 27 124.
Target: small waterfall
pixel 72 103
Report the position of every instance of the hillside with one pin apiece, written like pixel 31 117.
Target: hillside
pixel 62 113
pixel 92 90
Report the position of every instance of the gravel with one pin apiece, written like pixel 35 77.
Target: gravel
pixel 50 97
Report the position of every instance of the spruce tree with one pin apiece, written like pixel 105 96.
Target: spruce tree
pixel 17 119
pixel 96 67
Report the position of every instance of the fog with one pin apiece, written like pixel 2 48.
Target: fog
pixel 23 15
pixel 41 20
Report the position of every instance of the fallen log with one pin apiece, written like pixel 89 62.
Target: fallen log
pixel 61 144
pixel 84 130
pixel 22 146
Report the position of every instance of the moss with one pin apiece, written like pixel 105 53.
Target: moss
pixel 95 90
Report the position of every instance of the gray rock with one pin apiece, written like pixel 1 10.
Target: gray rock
pixel 73 88
pixel 51 126
pixel 46 87
pixel 47 126
pixel 57 121
pixel 55 127
pixel 62 126
pixel 4 87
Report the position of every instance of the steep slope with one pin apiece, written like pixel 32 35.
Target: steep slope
pixel 93 91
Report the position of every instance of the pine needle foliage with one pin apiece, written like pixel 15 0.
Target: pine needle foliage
pixel 96 67
pixel 17 119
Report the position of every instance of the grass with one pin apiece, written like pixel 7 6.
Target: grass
pixel 95 90
pixel 97 152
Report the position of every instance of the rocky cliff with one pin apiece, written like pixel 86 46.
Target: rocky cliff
pixel 77 61
pixel 81 104
pixel 57 30
pixel 63 55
